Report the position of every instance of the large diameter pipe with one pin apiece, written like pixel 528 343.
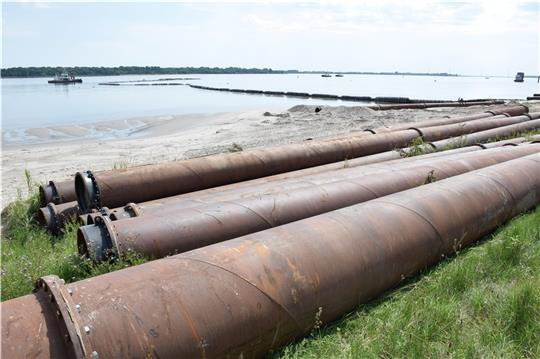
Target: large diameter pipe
pixel 144 183
pixel 246 296
pixel 55 216
pixel 487 135
pixel 508 111
pixel 435 133
pixel 434 104
pixel 291 182
pixel 57 192
pixel 376 163
pixel 294 179
pixel 166 230
pixel 116 188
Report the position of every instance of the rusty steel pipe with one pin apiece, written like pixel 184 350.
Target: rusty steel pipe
pixel 441 122
pixel 508 111
pixel 116 188
pixel 286 182
pixel 435 133
pixel 510 142
pixel 164 230
pixel 249 295
pixel 421 105
pixel 295 179
pixel 487 135
pixel 292 182
pixel 54 216
pixel 57 192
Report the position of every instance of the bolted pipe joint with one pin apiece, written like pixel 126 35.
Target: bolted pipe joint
pixel 57 192
pixel 97 241
pixel 48 194
pixel 91 217
pixel 87 191
pixel 130 210
pixel 68 322
pixel 54 216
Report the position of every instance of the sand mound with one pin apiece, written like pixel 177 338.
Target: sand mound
pixel 334 110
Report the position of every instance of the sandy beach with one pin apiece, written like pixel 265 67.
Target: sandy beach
pixel 58 152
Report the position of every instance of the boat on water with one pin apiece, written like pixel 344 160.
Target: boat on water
pixel 339 75
pixel 64 78
pixel 519 77
pixel 326 75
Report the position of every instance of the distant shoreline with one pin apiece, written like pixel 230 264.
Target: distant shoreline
pixel 39 72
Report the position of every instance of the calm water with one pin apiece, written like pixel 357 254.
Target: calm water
pixel 28 103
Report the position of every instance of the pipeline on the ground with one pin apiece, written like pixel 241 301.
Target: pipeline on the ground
pixel 422 105
pixel 139 184
pixel 55 220
pixel 159 230
pixel 247 296
pixel 293 179
pixel 386 161
pixel 57 192
pixel 482 136
pixel 55 216
pixel 507 111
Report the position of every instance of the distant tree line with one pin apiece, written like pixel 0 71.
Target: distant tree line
pixel 133 70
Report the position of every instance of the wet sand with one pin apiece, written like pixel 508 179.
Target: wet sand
pixel 58 152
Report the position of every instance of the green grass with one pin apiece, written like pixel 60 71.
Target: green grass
pixel 482 303
pixel 30 252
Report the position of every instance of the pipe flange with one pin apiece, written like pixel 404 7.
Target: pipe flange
pixel 112 241
pixel 105 211
pixel 55 195
pixel 96 198
pixel 133 208
pixel 55 225
pixel 66 314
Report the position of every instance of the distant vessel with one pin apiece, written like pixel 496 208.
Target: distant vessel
pixel 339 75
pixel 64 78
pixel 326 75
pixel 519 77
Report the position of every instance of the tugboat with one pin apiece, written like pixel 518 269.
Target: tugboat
pixel 519 77
pixel 339 75
pixel 64 78
pixel 326 75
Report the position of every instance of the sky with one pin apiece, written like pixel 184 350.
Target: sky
pixel 477 38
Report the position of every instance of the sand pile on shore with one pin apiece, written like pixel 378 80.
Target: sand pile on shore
pixel 178 137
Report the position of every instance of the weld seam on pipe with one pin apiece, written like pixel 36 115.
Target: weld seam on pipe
pixel 439 235
pixel 247 281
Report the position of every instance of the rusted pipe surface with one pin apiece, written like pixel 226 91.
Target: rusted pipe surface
pixel 116 188
pixel 161 230
pixel 482 136
pixel 433 104
pixel 54 217
pixel 506 111
pixel 249 295
pixel 284 184
pixel 441 132
pixel 57 192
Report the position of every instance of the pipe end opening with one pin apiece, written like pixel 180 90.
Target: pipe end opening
pixel 84 189
pixel 46 194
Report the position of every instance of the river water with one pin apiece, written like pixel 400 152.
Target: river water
pixel 32 102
